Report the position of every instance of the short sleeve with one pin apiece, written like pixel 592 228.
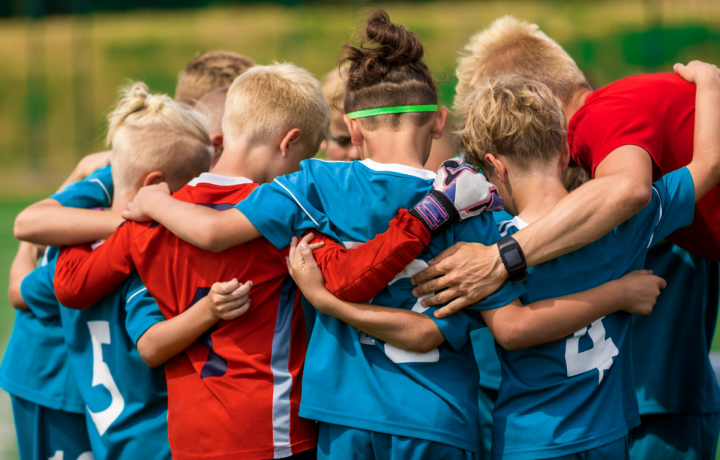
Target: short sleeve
pixel 280 209
pixel 38 293
pixel 142 309
pixel 674 196
pixel 95 191
pixel 607 123
pixel 457 327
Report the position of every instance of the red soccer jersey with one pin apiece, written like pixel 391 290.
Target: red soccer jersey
pixel 655 112
pixel 235 393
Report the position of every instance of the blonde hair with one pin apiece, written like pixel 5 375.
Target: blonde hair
pixel 267 99
pixel 513 46
pixel 208 72
pixel 515 117
pixel 333 87
pixel 212 105
pixel 152 132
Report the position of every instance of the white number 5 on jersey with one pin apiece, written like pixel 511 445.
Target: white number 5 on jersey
pixel 100 334
pixel 599 357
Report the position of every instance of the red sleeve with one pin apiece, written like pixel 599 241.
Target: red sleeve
pixel 607 123
pixel 359 274
pixel 83 276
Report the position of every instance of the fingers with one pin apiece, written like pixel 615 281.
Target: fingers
pixel 237 312
pixel 662 283
pixel 431 286
pixel 453 307
pixel 445 254
pixel 307 255
pixel 433 271
pixel 227 287
pixel 315 246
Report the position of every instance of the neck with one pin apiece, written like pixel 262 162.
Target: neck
pixel 576 102
pixel 536 193
pixel 409 147
pixel 245 158
pixel 121 198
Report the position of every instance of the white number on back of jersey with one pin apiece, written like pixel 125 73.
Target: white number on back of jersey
pixel 60 455
pixel 100 334
pixel 599 357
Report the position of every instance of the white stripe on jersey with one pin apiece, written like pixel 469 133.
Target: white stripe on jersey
pixel 136 293
pixel 279 365
pixel 217 179
pixel 400 169
pixel 104 189
pixel 298 203
pixel 515 222
pixel 659 217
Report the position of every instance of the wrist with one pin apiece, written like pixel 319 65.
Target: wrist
pixel 498 269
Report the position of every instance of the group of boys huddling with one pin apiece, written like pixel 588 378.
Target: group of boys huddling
pixel 256 303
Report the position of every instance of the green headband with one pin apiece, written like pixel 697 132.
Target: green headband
pixel 388 110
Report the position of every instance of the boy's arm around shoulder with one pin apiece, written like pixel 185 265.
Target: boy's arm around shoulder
pixel 25 262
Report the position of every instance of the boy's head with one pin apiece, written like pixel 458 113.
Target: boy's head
pixel 208 72
pixel 278 107
pixel 155 139
pixel 212 105
pixel 510 46
pixel 512 126
pixel 339 147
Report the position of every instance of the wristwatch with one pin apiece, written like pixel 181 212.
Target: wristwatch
pixel 513 259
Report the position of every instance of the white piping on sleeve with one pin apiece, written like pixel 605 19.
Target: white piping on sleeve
pixel 298 203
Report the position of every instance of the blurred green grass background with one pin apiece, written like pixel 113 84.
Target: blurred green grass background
pixel 59 75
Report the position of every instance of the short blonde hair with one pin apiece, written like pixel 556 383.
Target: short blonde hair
pixel 513 46
pixel 152 132
pixel 333 88
pixel 515 117
pixel 208 72
pixel 267 99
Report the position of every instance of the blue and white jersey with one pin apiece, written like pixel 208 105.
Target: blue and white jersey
pixel 673 373
pixel 35 365
pixel 124 399
pixel 350 378
pixel 577 393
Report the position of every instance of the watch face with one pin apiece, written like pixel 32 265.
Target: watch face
pixel 513 258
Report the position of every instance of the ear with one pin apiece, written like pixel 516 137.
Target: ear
pixel 290 138
pixel 153 178
pixel 323 145
pixel 356 136
pixel 439 125
pixel 217 141
pixel 499 165
pixel 565 158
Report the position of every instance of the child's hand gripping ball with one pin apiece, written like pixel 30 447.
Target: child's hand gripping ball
pixel 458 192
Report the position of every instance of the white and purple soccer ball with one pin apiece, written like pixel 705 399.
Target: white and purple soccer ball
pixel 470 192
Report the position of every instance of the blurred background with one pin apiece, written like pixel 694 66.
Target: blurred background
pixel 61 62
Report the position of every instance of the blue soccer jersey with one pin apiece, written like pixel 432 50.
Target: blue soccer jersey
pixel 125 400
pixel 577 393
pixel 35 365
pixel 355 380
pixel 670 347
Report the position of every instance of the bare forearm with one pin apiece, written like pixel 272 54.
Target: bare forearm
pixel 705 166
pixel 403 328
pixel 165 340
pixel 25 261
pixel 49 223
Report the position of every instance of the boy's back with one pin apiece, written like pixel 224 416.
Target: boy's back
pixel 236 390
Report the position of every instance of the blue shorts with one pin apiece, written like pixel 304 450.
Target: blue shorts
pixel 672 436
pixel 486 402
pixel 616 450
pixel 339 442
pixel 44 433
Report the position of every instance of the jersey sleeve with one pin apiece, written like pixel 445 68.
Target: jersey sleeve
pixel 359 274
pixel 608 123
pixel 280 209
pixel 672 206
pixel 95 191
pixel 85 275
pixel 457 327
pixel 142 309
pixel 38 293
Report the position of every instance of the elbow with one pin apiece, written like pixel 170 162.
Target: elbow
pixel 634 197
pixel 16 298
pixel 208 239
pixel 149 354
pixel 511 337
pixel 427 340
pixel 23 228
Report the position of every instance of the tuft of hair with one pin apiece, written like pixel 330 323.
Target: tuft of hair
pixel 151 132
pixel 267 99
pixel 574 176
pixel 212 105
pixel 385 70
pixel 515 117
pixel 333 87
pixel 208 72
pixel 518 47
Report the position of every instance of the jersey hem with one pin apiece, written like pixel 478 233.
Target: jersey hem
pixel 387 428
pixel 539 453
pixel 258 454
pixel 40 399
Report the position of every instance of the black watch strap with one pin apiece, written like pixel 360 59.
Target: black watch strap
pixel 513 258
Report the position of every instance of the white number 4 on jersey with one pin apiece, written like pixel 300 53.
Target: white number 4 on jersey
pixel 599 357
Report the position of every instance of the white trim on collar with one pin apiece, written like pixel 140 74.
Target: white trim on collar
pixel 400 169
pixel 504 226
pixel 519 223
pixel 217 179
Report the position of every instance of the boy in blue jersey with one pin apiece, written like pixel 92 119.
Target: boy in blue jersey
pixel 125 401
pixel 396 382
pixel 572 398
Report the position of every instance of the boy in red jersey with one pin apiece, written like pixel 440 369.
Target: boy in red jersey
pixel 235 392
